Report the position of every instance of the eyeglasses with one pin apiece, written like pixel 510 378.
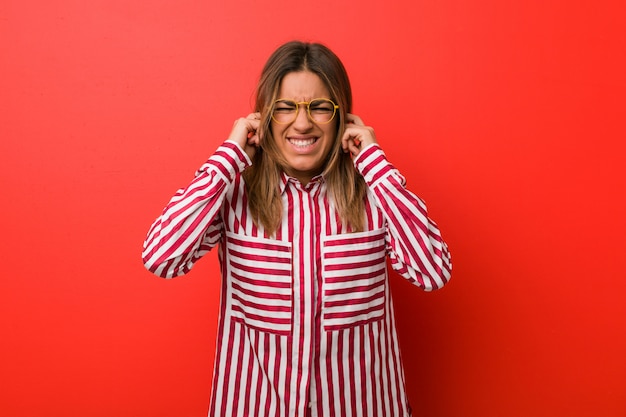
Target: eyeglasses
pixel 320 110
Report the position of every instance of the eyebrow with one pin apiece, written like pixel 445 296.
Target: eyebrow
pixel 291 100
pixel 286 101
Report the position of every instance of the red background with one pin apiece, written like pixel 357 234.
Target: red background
pixel 507 117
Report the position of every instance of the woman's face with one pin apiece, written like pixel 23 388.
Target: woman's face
pixel 303 143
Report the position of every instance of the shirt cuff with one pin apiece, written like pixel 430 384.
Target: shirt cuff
pixel 373 165
pixel 229 160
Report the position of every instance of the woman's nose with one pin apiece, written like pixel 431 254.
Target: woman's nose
pixel 303 121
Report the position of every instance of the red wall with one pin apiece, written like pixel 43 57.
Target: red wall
pixel 506 116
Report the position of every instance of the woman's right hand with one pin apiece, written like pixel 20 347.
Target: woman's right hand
pixel 246 133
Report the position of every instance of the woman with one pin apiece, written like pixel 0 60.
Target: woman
pixel 305 208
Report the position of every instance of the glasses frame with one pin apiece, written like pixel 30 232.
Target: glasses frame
pixel 308 110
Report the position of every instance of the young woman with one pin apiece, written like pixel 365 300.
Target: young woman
pixel 305 208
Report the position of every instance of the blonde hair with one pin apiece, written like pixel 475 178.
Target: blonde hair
pixel 345 185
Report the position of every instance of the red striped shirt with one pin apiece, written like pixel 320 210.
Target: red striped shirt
pixel 306 316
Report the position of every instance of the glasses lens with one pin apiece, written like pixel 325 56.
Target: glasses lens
pixel 322 110
pixel 284 111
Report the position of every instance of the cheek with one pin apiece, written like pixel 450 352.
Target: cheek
pixel 331 133
pixel 277 132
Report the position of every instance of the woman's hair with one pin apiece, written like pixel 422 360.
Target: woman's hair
pixel 346 187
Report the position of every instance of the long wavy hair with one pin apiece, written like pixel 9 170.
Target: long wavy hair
pixel 345 185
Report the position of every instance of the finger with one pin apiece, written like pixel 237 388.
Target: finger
pixel 252 124
pixel 253 140
pixel 354 148
pixel 351 144
pixel 345 142
pixel 354 119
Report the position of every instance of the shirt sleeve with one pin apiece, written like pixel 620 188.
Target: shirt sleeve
pixel 416 248
pixel 190 224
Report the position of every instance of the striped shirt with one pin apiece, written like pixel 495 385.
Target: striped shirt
pixel 306 321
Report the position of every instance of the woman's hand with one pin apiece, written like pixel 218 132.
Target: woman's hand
pixel 357 136
pixel 245 133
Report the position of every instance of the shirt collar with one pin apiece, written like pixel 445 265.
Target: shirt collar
pixel 286 179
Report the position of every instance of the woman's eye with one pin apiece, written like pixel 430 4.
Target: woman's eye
pixel 322 109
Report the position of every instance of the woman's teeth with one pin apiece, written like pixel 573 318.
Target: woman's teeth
pixel 301 143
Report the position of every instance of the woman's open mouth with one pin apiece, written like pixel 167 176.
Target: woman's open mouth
pixel 302 142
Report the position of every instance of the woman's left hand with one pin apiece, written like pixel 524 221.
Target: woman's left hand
pixel 357 136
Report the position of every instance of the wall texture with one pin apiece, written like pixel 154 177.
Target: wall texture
pixel 507 117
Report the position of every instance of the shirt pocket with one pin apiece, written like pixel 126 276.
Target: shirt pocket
pixel 354 279
pixel 260 282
